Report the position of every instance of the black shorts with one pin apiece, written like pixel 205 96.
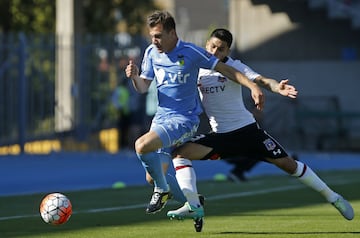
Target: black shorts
pixel 249 141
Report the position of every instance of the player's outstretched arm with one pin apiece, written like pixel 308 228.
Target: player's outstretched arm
pixel 274 86
pixel 132 71
pixel 240 78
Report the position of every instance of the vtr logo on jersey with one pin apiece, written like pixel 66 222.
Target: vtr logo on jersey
pixel 166 78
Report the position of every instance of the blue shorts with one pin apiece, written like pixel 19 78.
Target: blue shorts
pixel 174 129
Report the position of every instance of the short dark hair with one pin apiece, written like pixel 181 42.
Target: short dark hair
pixel 161 17
pixel 223 35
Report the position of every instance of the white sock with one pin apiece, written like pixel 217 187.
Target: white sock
pixel 305 174
pixel 186 178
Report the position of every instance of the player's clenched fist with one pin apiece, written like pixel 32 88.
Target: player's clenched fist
pixel 131 70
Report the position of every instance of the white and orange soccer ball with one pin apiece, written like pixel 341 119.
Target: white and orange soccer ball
pixel 55 209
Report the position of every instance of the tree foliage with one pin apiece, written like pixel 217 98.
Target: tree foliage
pixel 27 16
pixel 97 16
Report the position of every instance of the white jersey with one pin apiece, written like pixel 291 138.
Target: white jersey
pixel 222 98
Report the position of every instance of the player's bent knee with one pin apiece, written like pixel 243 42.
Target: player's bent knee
pixel 140 146
pixel 148 143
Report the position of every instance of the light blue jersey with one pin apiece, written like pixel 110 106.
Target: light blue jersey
pixel 179 106
pixel 176 74
pixel 177 116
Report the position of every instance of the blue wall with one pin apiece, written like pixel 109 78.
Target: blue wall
pixel 28 174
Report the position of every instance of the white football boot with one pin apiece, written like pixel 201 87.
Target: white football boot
pixel 344 207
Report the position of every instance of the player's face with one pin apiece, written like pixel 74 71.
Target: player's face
pixel 163 40
pixel 217 47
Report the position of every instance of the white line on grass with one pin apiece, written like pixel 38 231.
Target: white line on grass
pixel 212 198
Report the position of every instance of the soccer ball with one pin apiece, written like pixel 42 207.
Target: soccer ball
pixel 55 209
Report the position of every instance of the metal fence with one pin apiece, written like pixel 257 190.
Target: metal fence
pixel 28 102
pixel 27 85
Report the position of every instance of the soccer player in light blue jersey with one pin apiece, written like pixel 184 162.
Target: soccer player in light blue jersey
pixel 174 65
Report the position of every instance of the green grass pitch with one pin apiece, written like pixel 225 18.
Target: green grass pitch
pixel 266 206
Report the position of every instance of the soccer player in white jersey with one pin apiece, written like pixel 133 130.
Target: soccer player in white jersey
pixel 235 133
pixel 175 66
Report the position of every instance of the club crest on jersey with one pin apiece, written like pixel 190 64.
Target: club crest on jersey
pixel 269 144
pixel 181 60
pixel 221 79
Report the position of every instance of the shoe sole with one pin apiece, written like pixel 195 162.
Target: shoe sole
pixel 180 218
pixel 198 224
pixel 174 217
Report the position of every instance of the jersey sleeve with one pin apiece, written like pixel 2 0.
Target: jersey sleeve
pixel 203 58
pixel 147 70
pixel 246 70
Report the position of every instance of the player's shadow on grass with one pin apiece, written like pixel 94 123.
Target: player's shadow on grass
pixel 288 233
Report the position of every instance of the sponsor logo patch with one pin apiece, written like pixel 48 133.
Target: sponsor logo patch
pixel 269 144
pixel 181 60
